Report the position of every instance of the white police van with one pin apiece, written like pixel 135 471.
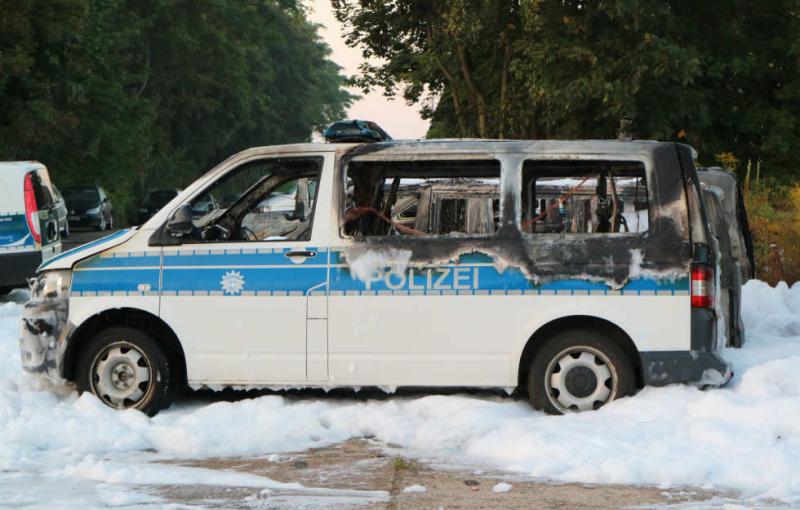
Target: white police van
pixel 29 232
pixel 576 271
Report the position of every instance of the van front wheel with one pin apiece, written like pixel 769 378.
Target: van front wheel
pixel 126 369
pixel 579 370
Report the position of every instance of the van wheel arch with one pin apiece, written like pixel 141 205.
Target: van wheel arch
pixel 608 328
pixel 129 317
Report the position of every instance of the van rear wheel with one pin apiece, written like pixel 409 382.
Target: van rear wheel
pixel 126 369
pixel 579 370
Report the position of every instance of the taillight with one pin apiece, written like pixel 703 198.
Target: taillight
pixel 702 287
pixel 32 209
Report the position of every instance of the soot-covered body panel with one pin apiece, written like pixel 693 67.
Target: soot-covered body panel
pixel 663 251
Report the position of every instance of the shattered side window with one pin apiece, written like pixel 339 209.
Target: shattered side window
pixel 422 198
pixel 584 197
pixel 269 199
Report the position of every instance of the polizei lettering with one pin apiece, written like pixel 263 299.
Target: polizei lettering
pixel 440 278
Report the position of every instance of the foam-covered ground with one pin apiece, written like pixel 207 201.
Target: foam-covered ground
pixel 61 450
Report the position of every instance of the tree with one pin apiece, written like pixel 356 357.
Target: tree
pixel 135 94
pixel 721 75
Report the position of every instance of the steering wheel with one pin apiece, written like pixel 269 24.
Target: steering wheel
pixel 214 232
pixel 248 233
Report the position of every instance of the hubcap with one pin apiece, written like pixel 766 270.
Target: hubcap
pixel 121 375
pixel 580 378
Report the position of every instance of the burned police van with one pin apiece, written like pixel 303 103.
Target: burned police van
pixel 574 271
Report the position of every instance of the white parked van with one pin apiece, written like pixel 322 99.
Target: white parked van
pixel 28 222
pixel 576 271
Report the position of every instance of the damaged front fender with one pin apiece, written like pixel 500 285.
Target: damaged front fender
pixel 45 330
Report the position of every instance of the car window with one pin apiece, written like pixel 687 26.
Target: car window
pixel 584 197
pixel 44 199
pixel 263 200
pixel 78 197
pixel 422 198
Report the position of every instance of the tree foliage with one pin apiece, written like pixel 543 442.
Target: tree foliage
pixel 722 76
pixel 136 94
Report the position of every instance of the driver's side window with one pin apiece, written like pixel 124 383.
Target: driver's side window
pixel 262 200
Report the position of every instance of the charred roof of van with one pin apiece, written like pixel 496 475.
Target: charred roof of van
pixel 461 144
pixel 477 145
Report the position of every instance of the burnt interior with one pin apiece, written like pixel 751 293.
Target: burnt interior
pixel 422 198
pixel 584 197
pixel 592 238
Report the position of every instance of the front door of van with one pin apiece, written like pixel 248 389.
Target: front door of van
pixel 236 290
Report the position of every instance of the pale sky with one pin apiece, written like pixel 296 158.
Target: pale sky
pixel 393 115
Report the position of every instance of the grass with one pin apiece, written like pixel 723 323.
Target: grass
pixel 774 212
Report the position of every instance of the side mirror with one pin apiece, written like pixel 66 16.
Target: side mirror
pixel 180 223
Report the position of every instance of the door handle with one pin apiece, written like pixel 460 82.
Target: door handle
pixel 300 254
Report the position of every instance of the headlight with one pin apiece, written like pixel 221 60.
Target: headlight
pixel 94 210
pixel 50 284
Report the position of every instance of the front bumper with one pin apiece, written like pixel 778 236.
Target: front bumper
pixel 86 220
pixel 45 331
pixel 698 367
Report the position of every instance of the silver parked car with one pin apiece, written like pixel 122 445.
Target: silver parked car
pixel 61 212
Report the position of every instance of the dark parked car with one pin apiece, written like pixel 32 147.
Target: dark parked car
pixel 89 206
pixel 154 201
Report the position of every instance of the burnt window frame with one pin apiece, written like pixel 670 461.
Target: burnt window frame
pixel 345 169
pixel 581 159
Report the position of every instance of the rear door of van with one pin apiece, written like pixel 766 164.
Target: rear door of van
pixel 44 223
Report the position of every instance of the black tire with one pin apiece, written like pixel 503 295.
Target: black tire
pixel 110 353
pixel 620 379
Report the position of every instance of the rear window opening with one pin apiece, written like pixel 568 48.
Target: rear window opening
pixel 584 197
pixel 44 199
pixel 422 198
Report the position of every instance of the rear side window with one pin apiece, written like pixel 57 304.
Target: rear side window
pixel 591 197
pixel 422 198
pixel 44 200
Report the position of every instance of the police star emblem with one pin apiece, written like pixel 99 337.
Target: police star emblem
pixel 232 283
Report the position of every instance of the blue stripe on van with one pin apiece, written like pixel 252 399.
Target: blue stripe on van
pixel 124 261
pixel 239 257
pixel 239 281
pixel 83 247
pixel 14 231
pixel 135 281
pixel 473 275
pixel 242 272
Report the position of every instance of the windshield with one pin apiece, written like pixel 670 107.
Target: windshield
pixel 81 197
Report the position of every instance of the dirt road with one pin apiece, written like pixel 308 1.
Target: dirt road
pixel 363 465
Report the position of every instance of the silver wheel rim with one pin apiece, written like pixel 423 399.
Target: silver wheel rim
pixel 569 377
pixel 121 375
